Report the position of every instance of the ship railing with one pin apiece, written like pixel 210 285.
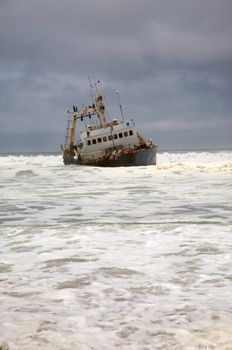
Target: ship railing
pixel 109 124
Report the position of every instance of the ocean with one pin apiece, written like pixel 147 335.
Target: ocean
pixel 136 258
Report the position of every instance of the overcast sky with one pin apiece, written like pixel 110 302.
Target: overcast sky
pixel 171 60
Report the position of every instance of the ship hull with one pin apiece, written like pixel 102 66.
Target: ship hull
pixel 142 157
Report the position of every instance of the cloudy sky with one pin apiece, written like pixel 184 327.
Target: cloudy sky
pixel 171 60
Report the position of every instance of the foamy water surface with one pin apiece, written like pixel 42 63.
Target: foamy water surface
pixel 116 258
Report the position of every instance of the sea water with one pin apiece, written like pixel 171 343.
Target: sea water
pixel 116 258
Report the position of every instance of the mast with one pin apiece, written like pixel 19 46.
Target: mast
pixel 68 151
pixel 73 128
pixel 100 106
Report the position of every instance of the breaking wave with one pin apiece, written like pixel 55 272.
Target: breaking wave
pixel 208 162
pixel 43 160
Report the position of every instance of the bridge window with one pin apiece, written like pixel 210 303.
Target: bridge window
pixel 131 132
pixel 94 141
pixel 125 133
pixel 99 140
pixel 104 138
pixel 115 136
pixel 120 135
pixel 88 142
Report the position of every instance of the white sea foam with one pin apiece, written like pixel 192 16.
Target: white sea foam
pixel 196 161
pixel 43 160
pixel 116 258
pixel 220 161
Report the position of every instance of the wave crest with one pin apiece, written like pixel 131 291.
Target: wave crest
pixel 43 160
pixel 204 162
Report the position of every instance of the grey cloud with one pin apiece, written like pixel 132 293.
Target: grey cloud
pixel 171 61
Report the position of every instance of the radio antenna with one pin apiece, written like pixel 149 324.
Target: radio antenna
pixel 119 102
pixel 91 93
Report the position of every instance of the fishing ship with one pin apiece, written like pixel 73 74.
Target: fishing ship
pixel 102 142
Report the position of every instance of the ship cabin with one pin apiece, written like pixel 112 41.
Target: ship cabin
pixel 116 134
